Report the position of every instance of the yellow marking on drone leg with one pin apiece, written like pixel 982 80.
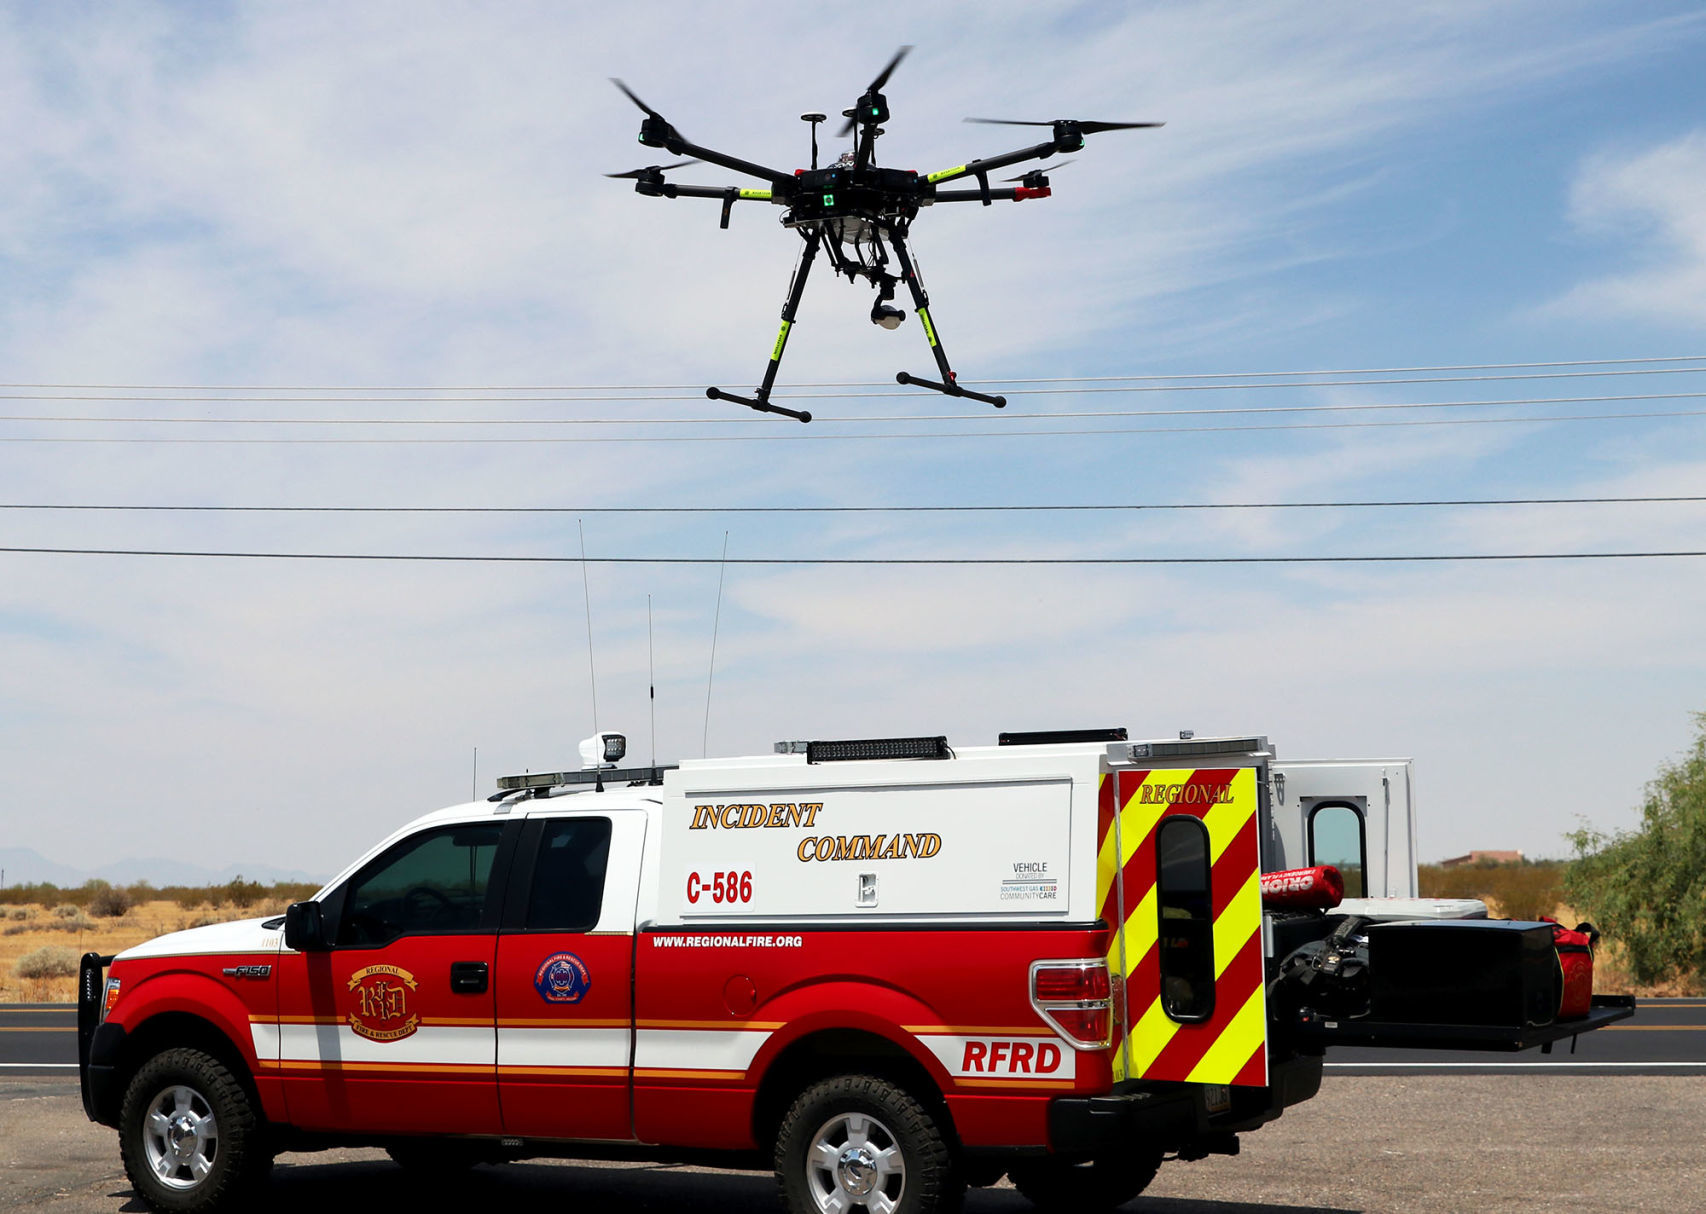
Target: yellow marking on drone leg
pixel 933 178
pixel 756 195
pixel 929 329
pixel 781 340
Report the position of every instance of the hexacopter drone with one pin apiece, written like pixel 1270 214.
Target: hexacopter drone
pixel 856 212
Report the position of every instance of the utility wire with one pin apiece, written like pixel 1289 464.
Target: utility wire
pixel 640 393
pixel 1012 419
pixel 996 509
pixel 913 436
pixel 1059 379
pixel 865 561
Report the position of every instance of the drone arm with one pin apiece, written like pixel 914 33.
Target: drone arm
pixel 680 147
pixel 972 168
pixel 1016 194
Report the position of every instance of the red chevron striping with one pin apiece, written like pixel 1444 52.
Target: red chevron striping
pixel 1241 978
pixel 1139 871
pixel 1233 870
pixel 1254 1074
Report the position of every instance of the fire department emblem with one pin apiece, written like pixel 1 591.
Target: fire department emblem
pixel 562 978
pixel 383 994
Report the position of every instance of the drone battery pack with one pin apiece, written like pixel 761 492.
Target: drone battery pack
pixel 1463 972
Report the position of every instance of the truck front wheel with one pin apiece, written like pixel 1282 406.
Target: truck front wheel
pixel 190 1137
pixel 1056 1186
pixel 860 1143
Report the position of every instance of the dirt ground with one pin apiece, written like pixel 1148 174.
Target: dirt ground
pixel 1457 1144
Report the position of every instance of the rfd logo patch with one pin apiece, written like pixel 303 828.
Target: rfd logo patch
pixel 1002 1057
pixel 562 978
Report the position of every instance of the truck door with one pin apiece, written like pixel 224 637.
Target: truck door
pixel 565 977
pixel 1356 815
pixel 1189 898
pixel 391 1030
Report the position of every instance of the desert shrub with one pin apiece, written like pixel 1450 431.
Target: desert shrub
pixel 1646 888
pixel 22 913
pixel 68 910
pixel 48 963
pixel 243 894
pixel 110 903
pixel 16 929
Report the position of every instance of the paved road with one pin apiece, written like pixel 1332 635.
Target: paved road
pixel 1406 1144
pixel 1664 1037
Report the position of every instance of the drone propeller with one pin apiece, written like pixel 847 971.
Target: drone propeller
pixel 649 111
pixel 650 169
pixel 1088 128
pixel 1053 168
pixel 876 86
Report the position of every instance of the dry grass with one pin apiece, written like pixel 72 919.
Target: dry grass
pixel 144 921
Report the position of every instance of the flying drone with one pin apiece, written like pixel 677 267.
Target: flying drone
pixel 857 213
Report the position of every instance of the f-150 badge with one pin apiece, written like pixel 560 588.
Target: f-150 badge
pixel 382 998
pixel 562 978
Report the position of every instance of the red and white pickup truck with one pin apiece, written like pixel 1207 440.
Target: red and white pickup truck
pixel 885 968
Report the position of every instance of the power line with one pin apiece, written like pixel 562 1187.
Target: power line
pixel 914 436
pixel 640 393
pixel 993 509
pixel 1011 419
pixel 1513 366
pixel 863 561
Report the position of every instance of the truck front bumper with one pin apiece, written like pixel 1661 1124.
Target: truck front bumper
pixel 1175 1116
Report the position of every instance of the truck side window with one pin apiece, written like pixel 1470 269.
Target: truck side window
pixel 1186 908
pixel 1336 837
pixel 568 876
pixel 428 884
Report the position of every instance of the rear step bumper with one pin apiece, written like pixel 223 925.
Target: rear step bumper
pixel 1606 1010
pixel 1175 1116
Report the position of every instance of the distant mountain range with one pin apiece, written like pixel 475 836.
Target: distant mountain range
pixel 26 866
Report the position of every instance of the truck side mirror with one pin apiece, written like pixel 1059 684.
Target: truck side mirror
pixel 305 928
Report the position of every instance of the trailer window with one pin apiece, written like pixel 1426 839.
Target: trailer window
pixel 1185 904
pixel 568 876
pixel 1337 837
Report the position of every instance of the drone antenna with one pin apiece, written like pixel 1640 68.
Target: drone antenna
pixel 814 119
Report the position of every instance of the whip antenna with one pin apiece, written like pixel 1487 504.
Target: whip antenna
pixel 586 587
pixel 652 680
pixel 716 620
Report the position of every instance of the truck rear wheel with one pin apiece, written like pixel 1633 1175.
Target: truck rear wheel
pixel 191 1139
pixel 1054 1185
pixel 860 1143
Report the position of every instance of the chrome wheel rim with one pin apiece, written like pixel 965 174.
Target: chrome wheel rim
pixel 180 1137
pixel 855 1163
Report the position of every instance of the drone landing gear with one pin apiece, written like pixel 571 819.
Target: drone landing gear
pixel 948 384
pixel 760 399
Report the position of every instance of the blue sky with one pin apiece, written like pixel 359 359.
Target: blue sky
pixel 412 195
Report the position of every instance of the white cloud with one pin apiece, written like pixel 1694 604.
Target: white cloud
pixel 1651 199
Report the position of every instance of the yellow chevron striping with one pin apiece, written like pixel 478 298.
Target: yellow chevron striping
pixel 1242 1037
pixel 1142 928
pixel 1150 1035
pixel 1241 919
pixel 1226 820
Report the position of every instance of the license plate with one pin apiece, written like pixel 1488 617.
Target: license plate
pixel 1217 1096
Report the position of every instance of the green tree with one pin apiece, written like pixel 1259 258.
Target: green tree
pixel 1646 888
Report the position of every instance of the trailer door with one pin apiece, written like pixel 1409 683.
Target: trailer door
pixel 1186 891
pixel 1356 815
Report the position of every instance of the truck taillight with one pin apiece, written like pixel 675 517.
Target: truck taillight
pixel 1075 997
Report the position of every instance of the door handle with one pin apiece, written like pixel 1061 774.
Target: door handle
pixel 469 977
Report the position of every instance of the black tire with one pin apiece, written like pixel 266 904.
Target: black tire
pixel 234 1150
pixel 1087 1188
pixel 857 1110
